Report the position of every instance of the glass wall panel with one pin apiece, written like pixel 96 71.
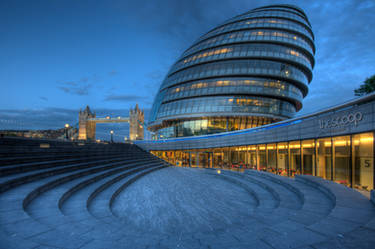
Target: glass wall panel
pixel 324 158
pixel 271 158
pixel 226 159
pixel 185 159
pixel 252 152
pixel 218 160
pixel 233 159
pixel 178 158
pixel 242 156
pixel 341 166
pixel 203 159
pixel 193 159
pixel 294 158
pixel 363 161
pixel 308 157
pixel 282 159
pixel 262 160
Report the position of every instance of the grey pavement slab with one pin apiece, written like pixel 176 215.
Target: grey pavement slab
pixel 191 208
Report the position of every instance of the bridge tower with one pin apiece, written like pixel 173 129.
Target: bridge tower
pixel 136 121
pixel 86 128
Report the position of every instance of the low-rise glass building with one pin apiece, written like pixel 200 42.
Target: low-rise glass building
pixel 336 144
pixel 253 69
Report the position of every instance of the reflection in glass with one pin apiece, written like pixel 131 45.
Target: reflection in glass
pixel 294 158
pixel 352 166
pixel 271 158
pixel 324 158
pixel 282 159
pixel 308 159
pixel 341 166
pixel 262 160
pixel 252 158
pixel 363 161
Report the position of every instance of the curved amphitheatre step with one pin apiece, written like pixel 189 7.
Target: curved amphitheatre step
pixel 96 227
pixel 28 159
pixel 289 216
pixel 105 190
pixel 89 188
pixel 16 154
pixel 127 184
pixel 77 196
pixel 33 166
pixel 352 218
pixel 263 199
pixel 314 204
pixel 91 181
pixel 13 181
pixel 105 225
pixel 45 207
pixel 28 223
pixel 14 190
pixel 348 212
pixel 52 184
pixel 314 213
pixel 330 204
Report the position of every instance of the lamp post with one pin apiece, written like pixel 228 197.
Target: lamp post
pixel 111 136
pixel 66 131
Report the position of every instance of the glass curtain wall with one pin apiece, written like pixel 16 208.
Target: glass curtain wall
pixel 363 161
pixel 252 155
pixel 294 158
pixel 348 160
pixel 341 161
pixel 242 157
pixel 271 158
pixel 308 158
pixel 282 159
pixel 324 158
pixel 262 159
pixel 218 158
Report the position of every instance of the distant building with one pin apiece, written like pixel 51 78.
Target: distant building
pixel 48 134
pixel 86 129
pixel 88 121
pixel 136 121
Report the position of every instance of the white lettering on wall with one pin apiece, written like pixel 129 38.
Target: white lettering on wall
pixel 351 118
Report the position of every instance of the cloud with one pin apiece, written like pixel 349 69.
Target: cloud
pixel 155 75
pixel 84 79
pixel 43 98
pixel 80 90
pixel 79 87
pixel 112 73
pixel 124 98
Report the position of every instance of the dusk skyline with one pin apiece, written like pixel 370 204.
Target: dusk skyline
pixel 58 57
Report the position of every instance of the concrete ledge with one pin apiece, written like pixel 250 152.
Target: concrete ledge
pixel 279 180
pixel 350 211
pixel 317 183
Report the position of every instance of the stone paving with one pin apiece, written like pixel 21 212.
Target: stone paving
pixel 144 204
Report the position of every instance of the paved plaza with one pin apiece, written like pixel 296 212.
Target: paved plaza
pixel 172 207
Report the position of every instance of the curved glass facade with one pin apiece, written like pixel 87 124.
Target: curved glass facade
pixel 255 66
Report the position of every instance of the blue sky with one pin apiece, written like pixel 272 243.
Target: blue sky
pixel 59 56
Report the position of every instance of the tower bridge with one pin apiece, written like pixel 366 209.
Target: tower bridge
pixel 88 120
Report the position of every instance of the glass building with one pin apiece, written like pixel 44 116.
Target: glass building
pixel 347 160
pixel 252 70
pixel 335 144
